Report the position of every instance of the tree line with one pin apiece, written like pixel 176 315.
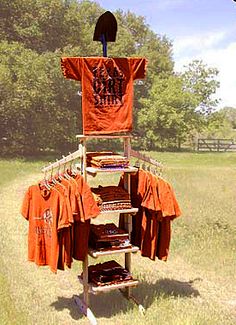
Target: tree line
pixel 40 110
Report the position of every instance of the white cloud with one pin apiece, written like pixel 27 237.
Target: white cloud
pixel 221 57
pixel 198 42
pixel 225 61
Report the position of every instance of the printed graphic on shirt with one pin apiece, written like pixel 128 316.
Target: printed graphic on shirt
pixel 108 87
pixel 45 228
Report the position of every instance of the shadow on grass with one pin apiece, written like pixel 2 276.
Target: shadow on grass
pixel 111 303
pixel 165 288
pixel 67 303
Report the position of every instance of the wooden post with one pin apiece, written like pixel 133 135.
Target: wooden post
pixel 85 281
pixel 127 217
pixel 85 262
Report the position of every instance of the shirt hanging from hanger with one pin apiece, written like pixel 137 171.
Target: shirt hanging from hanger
pixel 59 221
pixel 107 90
pixel 47 214
pixel 87 208
pixel 157 204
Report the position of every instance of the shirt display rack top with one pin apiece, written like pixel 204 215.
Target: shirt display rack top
pixel 123 287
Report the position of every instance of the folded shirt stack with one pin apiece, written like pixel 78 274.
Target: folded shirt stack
pixel 111 198
pixel 108 237
pixel 108 273
pixel 106 159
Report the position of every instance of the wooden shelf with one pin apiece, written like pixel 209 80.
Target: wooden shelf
pixel 83 137
pixel 126 211
pixel 94 171
pixel 93 288
pixel 94 253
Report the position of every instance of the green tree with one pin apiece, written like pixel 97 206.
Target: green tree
pixel 218 126
pixel 48 25
pixel 35 111
pixel 168 114
pixel 177 106
pixel 201 81
pixel 230 115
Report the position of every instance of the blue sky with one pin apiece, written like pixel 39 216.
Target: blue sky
pixel 199 29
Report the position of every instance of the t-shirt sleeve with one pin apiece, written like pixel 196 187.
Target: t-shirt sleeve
pixel 63 219
pixel 148 196
pixel 138 67
pixel 73 202
pixel 25 208
pixel 90 207
pixel 72 67
pixel 70 202
pixel 176 204
pixel 151 200
pixel 169 204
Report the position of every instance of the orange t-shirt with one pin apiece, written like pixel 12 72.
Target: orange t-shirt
pixel 46 212
pixel 156 226
pixel 169 204
pixel 151 218
pixel 65 234
pixel 140 188
pixel 151 226
pixel 107 90
pixel 87 209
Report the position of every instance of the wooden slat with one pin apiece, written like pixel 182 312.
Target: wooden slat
pixel 72 156
pixel 216 145
pixel 128 211
pixel 95 253
pixel 82 137
pixel 98 289
pixel 141 156
pixel 94 171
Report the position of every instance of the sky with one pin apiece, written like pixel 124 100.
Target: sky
pixel 198 29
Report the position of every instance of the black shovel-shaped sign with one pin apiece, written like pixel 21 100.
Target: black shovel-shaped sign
pixel 105 30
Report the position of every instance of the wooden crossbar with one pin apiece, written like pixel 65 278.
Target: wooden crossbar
pixel 141 156
pixel 64 160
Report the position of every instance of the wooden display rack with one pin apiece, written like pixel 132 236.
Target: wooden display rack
pixel 125 287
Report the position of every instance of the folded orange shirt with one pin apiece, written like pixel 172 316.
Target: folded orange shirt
pixel 107 90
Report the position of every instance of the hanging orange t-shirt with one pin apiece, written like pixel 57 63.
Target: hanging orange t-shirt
pixel 151 219
pixel 169 204
pixel 65 234
pixel 87 209
pixel 151 226
pixel 46 212
pixel 140 188
pixel 107 90
pixel 169 210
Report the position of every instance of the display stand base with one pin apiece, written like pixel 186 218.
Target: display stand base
pixel 130 297
pixel 85 310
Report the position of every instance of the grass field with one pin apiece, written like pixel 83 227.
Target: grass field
pixel 196 286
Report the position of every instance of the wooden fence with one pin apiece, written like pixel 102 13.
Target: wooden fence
pixel 218 145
